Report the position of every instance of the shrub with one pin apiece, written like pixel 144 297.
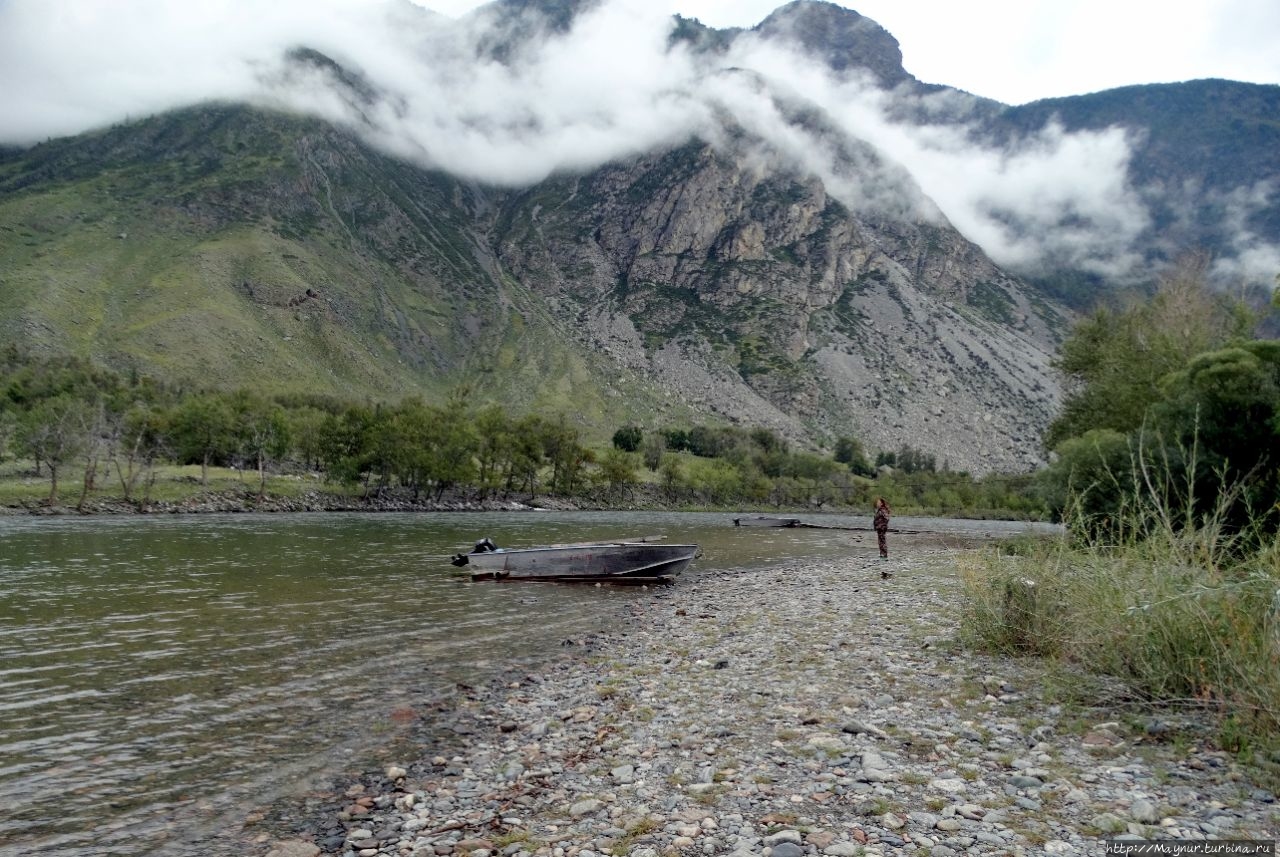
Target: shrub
pixel 628 438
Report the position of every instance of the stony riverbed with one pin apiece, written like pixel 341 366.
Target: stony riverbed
pixel 793 711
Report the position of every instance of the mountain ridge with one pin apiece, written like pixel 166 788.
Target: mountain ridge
pixel 422 282
pixel 714 278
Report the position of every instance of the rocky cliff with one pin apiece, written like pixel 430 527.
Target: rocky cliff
pixel 746 290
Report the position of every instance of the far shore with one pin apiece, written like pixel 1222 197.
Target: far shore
pixel 238 500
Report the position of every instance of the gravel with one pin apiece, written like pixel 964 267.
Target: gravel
pixel 799 710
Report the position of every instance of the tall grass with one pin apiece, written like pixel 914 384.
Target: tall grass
pixel 1183 609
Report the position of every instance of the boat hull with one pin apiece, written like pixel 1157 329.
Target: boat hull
pixel 620 563
pixel 763 521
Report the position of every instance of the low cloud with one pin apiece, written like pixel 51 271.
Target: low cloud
pixel 1255 260
pixel 433 92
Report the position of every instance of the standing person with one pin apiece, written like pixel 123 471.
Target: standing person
pixel 881 524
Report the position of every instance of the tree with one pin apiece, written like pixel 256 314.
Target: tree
pixel 718 479
pixel 565 455
pixel 8 431
pixel 1208 447
pixel 55 431
pixel 911 460
pixel 652 450
pixel 1116 359
pixel 140 439
pixel 261 432
pixel 628 438
pixel 493 447
pixel 202 428
pixel 1226 404
pixel 707 442
pixel 1093 474
pixel 768 440
pixel 677 439
pixel 527 454
pixel 618 470
pixel 99 428
pixel 306 425
pixel 346 441
pixel 673 476
pixel 849 451
pixel 441 445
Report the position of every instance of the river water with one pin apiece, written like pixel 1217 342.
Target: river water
pixel 160 673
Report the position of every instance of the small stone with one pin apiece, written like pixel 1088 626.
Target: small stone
pixel 857 727
pixel 585 807
pixel 1109 823
pixel 827 743
pixel 820 839
pixel 950 785
pixel 1145 811
pixel 294 848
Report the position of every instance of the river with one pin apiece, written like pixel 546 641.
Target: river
pixel 158 674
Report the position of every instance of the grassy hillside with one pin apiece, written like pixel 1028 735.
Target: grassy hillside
pixel 227 247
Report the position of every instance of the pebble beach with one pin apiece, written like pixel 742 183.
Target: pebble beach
pixel 806 709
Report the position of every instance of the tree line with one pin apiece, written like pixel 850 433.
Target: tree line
pixel 66 415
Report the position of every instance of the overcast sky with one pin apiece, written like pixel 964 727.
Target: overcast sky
pixel 614 86
pixel 1022 50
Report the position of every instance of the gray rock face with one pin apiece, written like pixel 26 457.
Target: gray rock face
pixel 747 291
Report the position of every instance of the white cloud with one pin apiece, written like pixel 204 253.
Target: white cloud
pixel 1255 261
pixel 608 89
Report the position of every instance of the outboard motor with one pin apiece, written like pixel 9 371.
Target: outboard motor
pixel 485 545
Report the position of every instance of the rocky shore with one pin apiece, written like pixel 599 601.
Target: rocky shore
pixel 799 710
pixel 224 502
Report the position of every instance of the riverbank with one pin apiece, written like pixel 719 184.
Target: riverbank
pixel 241 501
pixel 187 489
pixel 237 500
pixel 809 708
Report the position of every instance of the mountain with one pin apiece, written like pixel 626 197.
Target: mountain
pixel 682 285
pixel 1201 166
pixel 714 277
pixel 1205 162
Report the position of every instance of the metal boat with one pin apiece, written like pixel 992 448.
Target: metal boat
pixel 625 561
pixel 765 521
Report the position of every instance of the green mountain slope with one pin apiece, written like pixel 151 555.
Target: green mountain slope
pixel 226 246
